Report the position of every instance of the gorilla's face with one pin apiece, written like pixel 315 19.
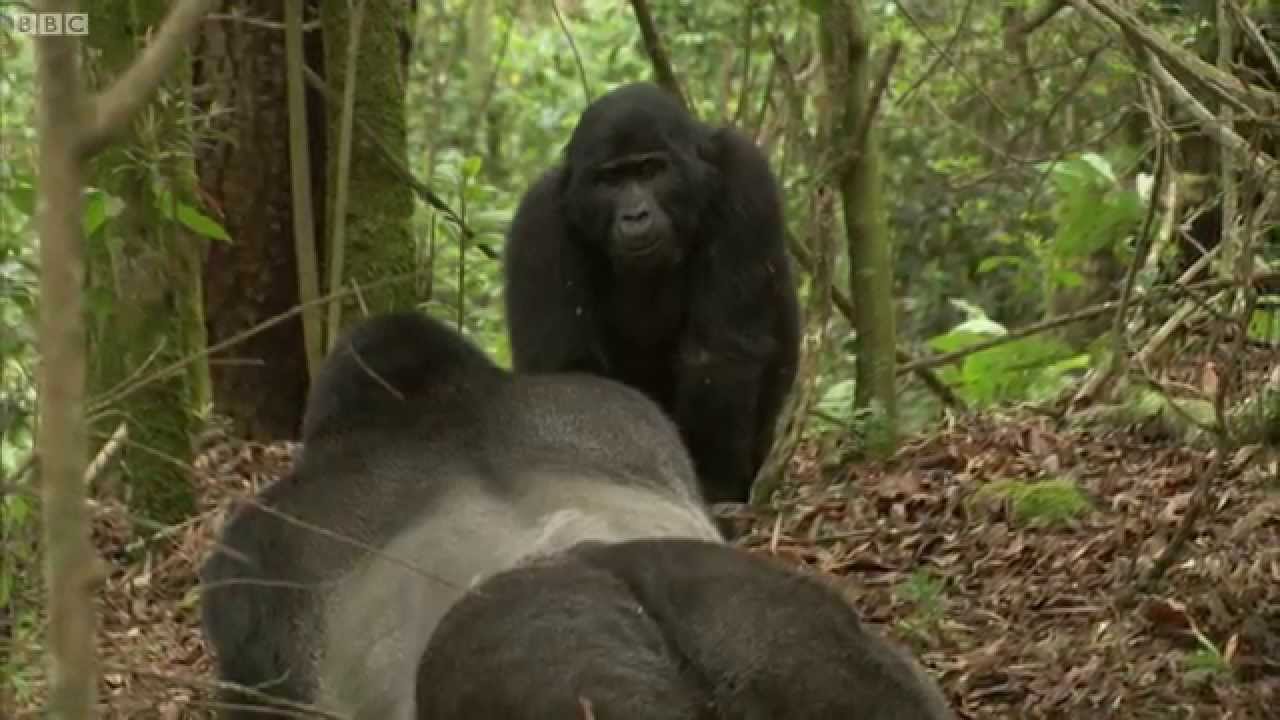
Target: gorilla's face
pixel 635 179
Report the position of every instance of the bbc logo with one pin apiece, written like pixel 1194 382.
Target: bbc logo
pixel 50 23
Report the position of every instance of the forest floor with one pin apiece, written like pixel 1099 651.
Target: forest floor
pixel 1017 620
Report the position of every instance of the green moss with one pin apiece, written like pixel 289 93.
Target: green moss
pixel 1050 502
pixel 379 203
pixel 143 286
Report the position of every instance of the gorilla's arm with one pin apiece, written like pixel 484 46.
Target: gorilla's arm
pixel 729 370
pixel 245 594
pixel 546 288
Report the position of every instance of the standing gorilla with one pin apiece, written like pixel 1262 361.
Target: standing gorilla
pixel 654 255
pixel 569 507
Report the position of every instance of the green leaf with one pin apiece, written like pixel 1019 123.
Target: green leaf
pixel 981 326
pixel 837 401
pixel 998 261
pixel 471 166
pixel 23 198
pixel 201 224
pixel 99 207
pixel 1010 371
pixel 970 310
pixel 1067 278
pixel 190 217
pixel 1264 325
pixel 955 340
pixel 1100 165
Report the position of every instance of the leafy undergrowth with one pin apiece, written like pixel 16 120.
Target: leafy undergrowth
pixel 1008 592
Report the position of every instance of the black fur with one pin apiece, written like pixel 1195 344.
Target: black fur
pixel 693 303
pixel 664 630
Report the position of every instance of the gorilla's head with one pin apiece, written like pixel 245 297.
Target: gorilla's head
pixel 637 176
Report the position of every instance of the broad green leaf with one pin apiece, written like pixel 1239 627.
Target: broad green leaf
pixel 201 224
pixel 969 309
pixel 955 340
pixel 98 208
pixel 1100 165
pixel 837 401
pixel 981 326
pixel 190 217
pixel 1009 371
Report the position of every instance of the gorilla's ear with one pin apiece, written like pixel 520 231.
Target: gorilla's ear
pixel 711 146
pixel 708 157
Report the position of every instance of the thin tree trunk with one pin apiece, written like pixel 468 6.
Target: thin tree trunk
pixel 61 442
pixel 845 39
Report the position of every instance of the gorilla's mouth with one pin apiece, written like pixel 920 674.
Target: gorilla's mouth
pixel 633 247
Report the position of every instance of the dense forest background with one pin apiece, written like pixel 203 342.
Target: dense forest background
pixel 1036 242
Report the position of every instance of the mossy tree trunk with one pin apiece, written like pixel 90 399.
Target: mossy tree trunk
pixel 845 30
pixel 143 278
pixel 260 384
pixel 379 205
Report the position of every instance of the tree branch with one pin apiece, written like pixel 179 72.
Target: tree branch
pixel 877 96
pixel 1041 16
pixel 1224 86
pixel 111 110
pixel 662 69
pixel 1259 161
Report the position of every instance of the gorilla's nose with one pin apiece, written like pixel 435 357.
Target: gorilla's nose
pixel 635 222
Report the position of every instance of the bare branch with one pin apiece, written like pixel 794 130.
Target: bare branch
pixel 338 234
pixel 304 231
pixel 662 69
pixel 877 96
pixel 108 451
pixel 1259 161
pixel 1041 16
pixel 1252 32
pixel 112 109
pixel 573 46
pixel 1224 86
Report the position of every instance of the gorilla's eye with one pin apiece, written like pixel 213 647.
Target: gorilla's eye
pixel 610 174
pixel 651 167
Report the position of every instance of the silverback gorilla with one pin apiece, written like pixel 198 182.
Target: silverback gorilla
pixel 654 255
pixel 458 542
